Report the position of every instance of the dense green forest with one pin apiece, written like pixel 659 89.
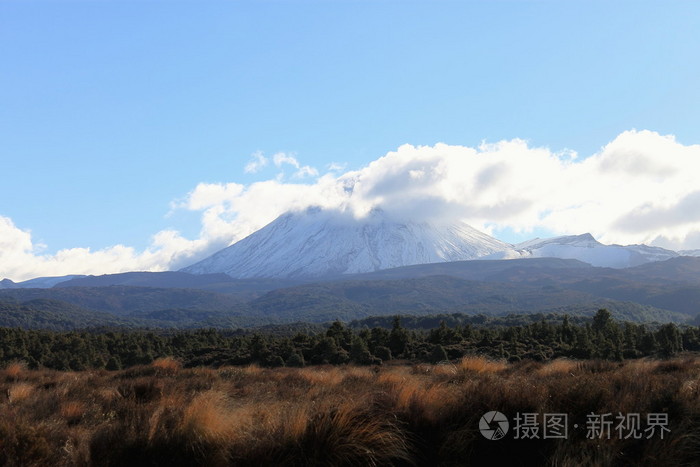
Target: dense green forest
pixel 374 341
pixel 90 308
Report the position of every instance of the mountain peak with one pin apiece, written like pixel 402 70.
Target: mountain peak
pixel 585 237
pixel 7 284
pixel 586 248
pixel 584 240
pixel 317 242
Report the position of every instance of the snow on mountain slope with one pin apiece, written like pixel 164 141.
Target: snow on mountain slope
pixel 315 243
pixel 587 249
pixel 689 252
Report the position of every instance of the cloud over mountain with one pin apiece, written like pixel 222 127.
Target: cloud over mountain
pixel 639 188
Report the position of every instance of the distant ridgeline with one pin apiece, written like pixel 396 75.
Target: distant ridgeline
pixel 600 337
pixel 663 291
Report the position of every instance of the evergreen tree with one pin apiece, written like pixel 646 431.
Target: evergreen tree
pixel 438 354
pixel 296 360
pixel 384 353
pixel 669 338
pixel 341 334
pixel 113 364
pixel 602 321
pixel 359 353
pixel 325 351
pixel 398 338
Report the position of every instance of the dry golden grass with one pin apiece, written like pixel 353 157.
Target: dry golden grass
pixel 424 402
pixel 478 364
pixel 72 411
pixel 251 370
pixel 208 416
pixel 106 395
pixel 358 375
pixel 405 394
pixel 560 366
pixel 327 376
pixel 19 392
pixel 349 434
pixel 14 370
pixel 395 415
pixel 640 367
pixel 166 365
pixel 393 378
pixel 295 420
pixel 690 389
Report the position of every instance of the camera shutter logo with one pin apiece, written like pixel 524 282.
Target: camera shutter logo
pixel 493 425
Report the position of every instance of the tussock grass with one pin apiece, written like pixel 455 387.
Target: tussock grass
pixel 72 411
pixel 166 366
pixel 207 417
pixel 19 392
pixel 559 367
pixel 327 376
pixel 478 364
pixel 163 414
pixel 14 370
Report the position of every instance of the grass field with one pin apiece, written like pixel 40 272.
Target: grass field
pixel 163 414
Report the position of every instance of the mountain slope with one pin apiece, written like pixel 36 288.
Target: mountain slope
pixel 52 314
pixel 37 282
pixel 662 291
pixel 479 270
pixel 165 279
pixel 123 300
pixel 220 283
pixel 317 243
pixel 352 299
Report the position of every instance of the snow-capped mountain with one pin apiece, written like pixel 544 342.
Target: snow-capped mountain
pixel 689 252
pixel 587 249
pixel 317 243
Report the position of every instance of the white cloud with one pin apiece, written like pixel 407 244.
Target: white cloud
pixel 640 188
pixel 206 195
pixel 20 259
pixel 282 158
pixel 306 171
pixel 257 162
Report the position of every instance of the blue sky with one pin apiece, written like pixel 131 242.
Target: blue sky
pixel 112 113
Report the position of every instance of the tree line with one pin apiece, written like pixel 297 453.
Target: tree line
pixel 599 338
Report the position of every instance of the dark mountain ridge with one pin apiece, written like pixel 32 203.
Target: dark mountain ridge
pixel 661 291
